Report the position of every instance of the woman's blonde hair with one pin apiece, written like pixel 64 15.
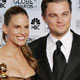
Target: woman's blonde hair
pixel 28 55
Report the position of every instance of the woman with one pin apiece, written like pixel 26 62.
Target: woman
pixel 16 58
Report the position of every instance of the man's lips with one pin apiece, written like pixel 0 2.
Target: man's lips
pixel 61 26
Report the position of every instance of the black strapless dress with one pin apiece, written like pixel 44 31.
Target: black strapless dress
pixel 35 77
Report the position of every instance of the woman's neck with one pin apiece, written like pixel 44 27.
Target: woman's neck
pixel 11 50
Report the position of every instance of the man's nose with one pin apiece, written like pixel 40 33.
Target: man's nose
pixel 60 19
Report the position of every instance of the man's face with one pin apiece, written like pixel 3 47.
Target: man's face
pixel 58 17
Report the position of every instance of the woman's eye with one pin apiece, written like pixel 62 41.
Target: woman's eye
pixel 26 26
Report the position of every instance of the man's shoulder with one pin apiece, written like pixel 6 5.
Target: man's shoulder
pixel 38 41
pixel 76 37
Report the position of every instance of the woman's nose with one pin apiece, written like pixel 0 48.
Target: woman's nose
pixel 22 31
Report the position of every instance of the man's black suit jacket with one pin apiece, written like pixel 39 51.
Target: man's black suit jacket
pixel 72 71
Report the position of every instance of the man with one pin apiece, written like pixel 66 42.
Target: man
pixel 57 15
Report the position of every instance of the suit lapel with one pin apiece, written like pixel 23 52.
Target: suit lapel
pixel 43 61
pixel 74 58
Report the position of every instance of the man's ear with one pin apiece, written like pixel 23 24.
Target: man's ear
pixel 44 18
pixel 4 28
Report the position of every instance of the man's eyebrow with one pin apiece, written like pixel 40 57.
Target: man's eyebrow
pixel 52 14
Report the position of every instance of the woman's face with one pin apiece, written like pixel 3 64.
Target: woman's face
pixel 17 30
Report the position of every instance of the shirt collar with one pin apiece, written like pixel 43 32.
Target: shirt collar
pixel 66 39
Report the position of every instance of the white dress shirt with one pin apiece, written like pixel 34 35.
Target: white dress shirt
pixel 65 48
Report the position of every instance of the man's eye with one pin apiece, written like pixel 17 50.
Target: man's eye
pixel 65 14
pixel 17 27
pixel 52 15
